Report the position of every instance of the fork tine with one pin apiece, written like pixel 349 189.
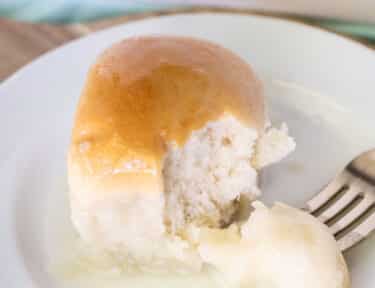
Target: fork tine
pixel 328 192
pixel 347 204
pixel 352 215
pixel 359 233
pixel 348 196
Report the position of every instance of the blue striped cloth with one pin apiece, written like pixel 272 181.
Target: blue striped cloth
pixel 67 11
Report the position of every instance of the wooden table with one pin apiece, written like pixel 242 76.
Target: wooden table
pixel 22 42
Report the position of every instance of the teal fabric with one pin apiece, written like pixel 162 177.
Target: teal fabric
pixel 361 30
pixel 68 11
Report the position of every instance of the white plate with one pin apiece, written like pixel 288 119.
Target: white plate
pixel 321 84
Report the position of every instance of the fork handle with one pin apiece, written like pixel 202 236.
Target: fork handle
pixel 364 166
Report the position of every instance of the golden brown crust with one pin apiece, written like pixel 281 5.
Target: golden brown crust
pixel 146 91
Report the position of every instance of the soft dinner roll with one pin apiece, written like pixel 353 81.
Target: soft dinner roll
pixel 280 247
pixel 169 136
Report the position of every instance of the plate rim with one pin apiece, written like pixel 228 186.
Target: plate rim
pixel 252 14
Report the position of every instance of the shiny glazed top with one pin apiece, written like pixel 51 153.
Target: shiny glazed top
pixel 145 92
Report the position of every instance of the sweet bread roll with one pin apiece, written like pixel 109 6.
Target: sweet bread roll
pixel 169 134
pixel 279 247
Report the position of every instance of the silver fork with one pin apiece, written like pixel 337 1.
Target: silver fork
pixel 347 204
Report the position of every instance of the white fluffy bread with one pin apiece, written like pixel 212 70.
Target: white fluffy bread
pixel 169 136
pixel 279 247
